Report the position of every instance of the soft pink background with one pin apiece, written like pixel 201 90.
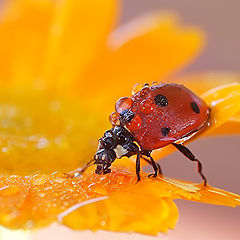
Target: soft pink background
pixel 220 156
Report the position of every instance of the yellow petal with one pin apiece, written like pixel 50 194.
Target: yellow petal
pixel 125 213
pixel 24 31
pixel 78 32
pixel 44 133
pixel 144 50
pixel 224 104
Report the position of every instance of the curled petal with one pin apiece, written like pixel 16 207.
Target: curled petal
pixel 224 104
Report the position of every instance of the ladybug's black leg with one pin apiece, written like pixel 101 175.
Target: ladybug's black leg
pixel 138 167
pixel 186 152
pixel 150 162
pixel 156 165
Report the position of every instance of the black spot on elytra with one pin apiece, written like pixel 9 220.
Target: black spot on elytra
pixel 165 131
pixel 126 116
pixel 195 107
pixel 161 100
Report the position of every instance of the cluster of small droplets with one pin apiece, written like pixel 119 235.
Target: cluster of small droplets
pixel 146 106
pixel 139 86
pixel 140 102
pixel 135 123
pixel 40 198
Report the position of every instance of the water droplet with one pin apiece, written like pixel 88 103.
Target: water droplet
pixel 41 195
pixel 103 223
pixel 144 91
pixel 98 188
pixel 135 123
pixel 114 119
pixel 165 118
pixel 136 88
pixel 146 106
pixel 123 104
pixel 29 224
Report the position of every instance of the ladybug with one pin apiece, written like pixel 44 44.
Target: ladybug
pixel 152 118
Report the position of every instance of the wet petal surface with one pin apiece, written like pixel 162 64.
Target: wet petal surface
pixel 109 202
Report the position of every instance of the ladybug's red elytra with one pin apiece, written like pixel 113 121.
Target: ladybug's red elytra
pixel 152 118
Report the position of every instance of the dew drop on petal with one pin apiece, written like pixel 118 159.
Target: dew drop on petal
pixel 97 188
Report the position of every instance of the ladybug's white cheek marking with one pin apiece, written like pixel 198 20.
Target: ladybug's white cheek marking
pixel 98 147
pixel 120 151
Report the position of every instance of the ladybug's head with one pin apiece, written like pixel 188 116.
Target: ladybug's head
pixel 115 143
pixel 105 154
pixel 103 159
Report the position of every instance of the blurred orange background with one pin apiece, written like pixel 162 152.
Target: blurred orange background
pixel 220 155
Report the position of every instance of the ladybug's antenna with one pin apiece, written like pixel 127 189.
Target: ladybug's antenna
pixel 87 165
pixel 79 172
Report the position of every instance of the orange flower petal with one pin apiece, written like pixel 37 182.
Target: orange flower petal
pixel 121 213
pixel 79 31
pixel 111 202
pixel 152 46
pixel 24 28
pixel 51 40
pixel 228 128
pixel 143 50
pixel 224 104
